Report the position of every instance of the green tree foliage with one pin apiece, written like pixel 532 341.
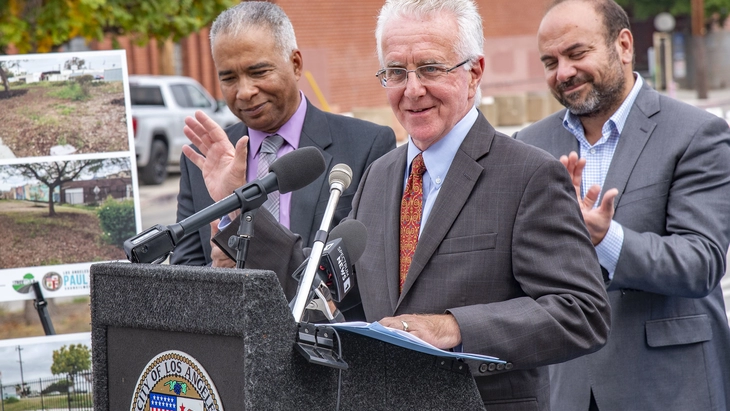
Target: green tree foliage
pixel 71 360
pixel 74 63
pixel 647 9
pixel 117 220
pixel 44 25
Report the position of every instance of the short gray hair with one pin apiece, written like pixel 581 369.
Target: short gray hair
pixel 470 37
pixel 256 14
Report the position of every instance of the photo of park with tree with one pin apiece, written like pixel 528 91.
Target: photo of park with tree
pixel 47 373
pixel 65 212
pixel 61 104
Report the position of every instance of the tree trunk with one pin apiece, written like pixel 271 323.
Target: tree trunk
pixel 29 312
pixel 698 43
pixel 165 52
pixel 700 56
pixel 51 208
pixel 6 85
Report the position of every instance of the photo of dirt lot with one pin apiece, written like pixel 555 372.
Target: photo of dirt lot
pixel 89 117
pixel 31 238
pixel 65 212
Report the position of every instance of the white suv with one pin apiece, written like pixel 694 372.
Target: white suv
pixel 159 107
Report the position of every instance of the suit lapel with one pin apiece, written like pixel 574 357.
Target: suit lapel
pixel 458 185
pixel 560 144
pixel 391 213
pixel 635 134
pixel 315 133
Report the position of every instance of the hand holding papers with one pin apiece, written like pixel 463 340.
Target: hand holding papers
pixel 406 340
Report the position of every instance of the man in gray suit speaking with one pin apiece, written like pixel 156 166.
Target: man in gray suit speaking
pixel 475 241
pixel 653 179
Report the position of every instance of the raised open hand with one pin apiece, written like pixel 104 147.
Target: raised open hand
pixel 223 166
pixel 597 219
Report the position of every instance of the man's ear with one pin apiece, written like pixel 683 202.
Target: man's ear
pixel 297 63
pixel 476 71
pixel 625 46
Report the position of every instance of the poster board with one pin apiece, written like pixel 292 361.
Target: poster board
pixel 68 183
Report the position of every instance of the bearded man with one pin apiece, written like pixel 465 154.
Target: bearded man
pixel 652 177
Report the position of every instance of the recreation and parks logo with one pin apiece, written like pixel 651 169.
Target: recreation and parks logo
pixel 52 281
pixel 23 286
pixel 175 381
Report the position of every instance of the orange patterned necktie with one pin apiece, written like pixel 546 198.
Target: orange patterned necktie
pixel 411 208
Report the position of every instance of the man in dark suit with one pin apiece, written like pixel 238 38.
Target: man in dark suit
pixel 255 52
pixel 653 179
pixel 483 251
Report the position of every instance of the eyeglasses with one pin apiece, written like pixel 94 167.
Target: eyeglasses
pixel 429 74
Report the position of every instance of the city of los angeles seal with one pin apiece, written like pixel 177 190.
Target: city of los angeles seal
pixel 175 381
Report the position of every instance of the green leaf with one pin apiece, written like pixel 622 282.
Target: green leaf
pixel 43 26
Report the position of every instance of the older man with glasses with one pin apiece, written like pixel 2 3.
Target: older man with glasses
pixel 475 240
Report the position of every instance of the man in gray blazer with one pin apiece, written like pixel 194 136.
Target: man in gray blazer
pixel 503 264
pixel 653 179
pixel 259 80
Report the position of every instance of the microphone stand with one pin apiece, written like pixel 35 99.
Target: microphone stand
pixel 41 304
pixel 316 343
pixel 340 178
pixel 241 241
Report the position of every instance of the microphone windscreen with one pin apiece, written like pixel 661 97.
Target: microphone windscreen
pixel 354 235
pixel 298 169
pixel 341 173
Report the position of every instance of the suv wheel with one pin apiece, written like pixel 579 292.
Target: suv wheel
pixel 155 172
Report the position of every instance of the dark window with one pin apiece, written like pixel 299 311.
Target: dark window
pixel 146 95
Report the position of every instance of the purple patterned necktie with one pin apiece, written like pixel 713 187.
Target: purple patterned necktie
pixel 267 155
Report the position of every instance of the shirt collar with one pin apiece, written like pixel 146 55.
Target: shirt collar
pixel 439 155
pixel 572 122
pixel 291 131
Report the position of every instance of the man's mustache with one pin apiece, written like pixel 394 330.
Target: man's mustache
pixel 574 81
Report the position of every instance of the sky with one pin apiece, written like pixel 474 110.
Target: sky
pixel 9 182
pixel 37 355
pixel 36 63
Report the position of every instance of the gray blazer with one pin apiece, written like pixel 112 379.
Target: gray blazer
pixel 341 139
pixel 669 347
pixel 504 250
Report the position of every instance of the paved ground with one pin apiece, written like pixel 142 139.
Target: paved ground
pixel 158 203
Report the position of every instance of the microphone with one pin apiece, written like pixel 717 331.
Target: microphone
pixel 338 257
pixel 340 178
pixel 334 276
pixel 290 172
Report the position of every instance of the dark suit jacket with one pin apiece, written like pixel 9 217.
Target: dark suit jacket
pixel 504 250
pixel 670 344
pixel 341 139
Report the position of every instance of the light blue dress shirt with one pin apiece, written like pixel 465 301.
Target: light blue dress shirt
pixel 438 158
pixel 598 159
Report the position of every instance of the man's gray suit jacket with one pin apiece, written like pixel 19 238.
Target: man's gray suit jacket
pixel 340 139
pixel 669 347
pixel 504 250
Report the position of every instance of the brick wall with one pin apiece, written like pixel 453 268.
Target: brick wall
pixel 337 41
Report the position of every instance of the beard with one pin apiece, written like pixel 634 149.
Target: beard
pixel 602 96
